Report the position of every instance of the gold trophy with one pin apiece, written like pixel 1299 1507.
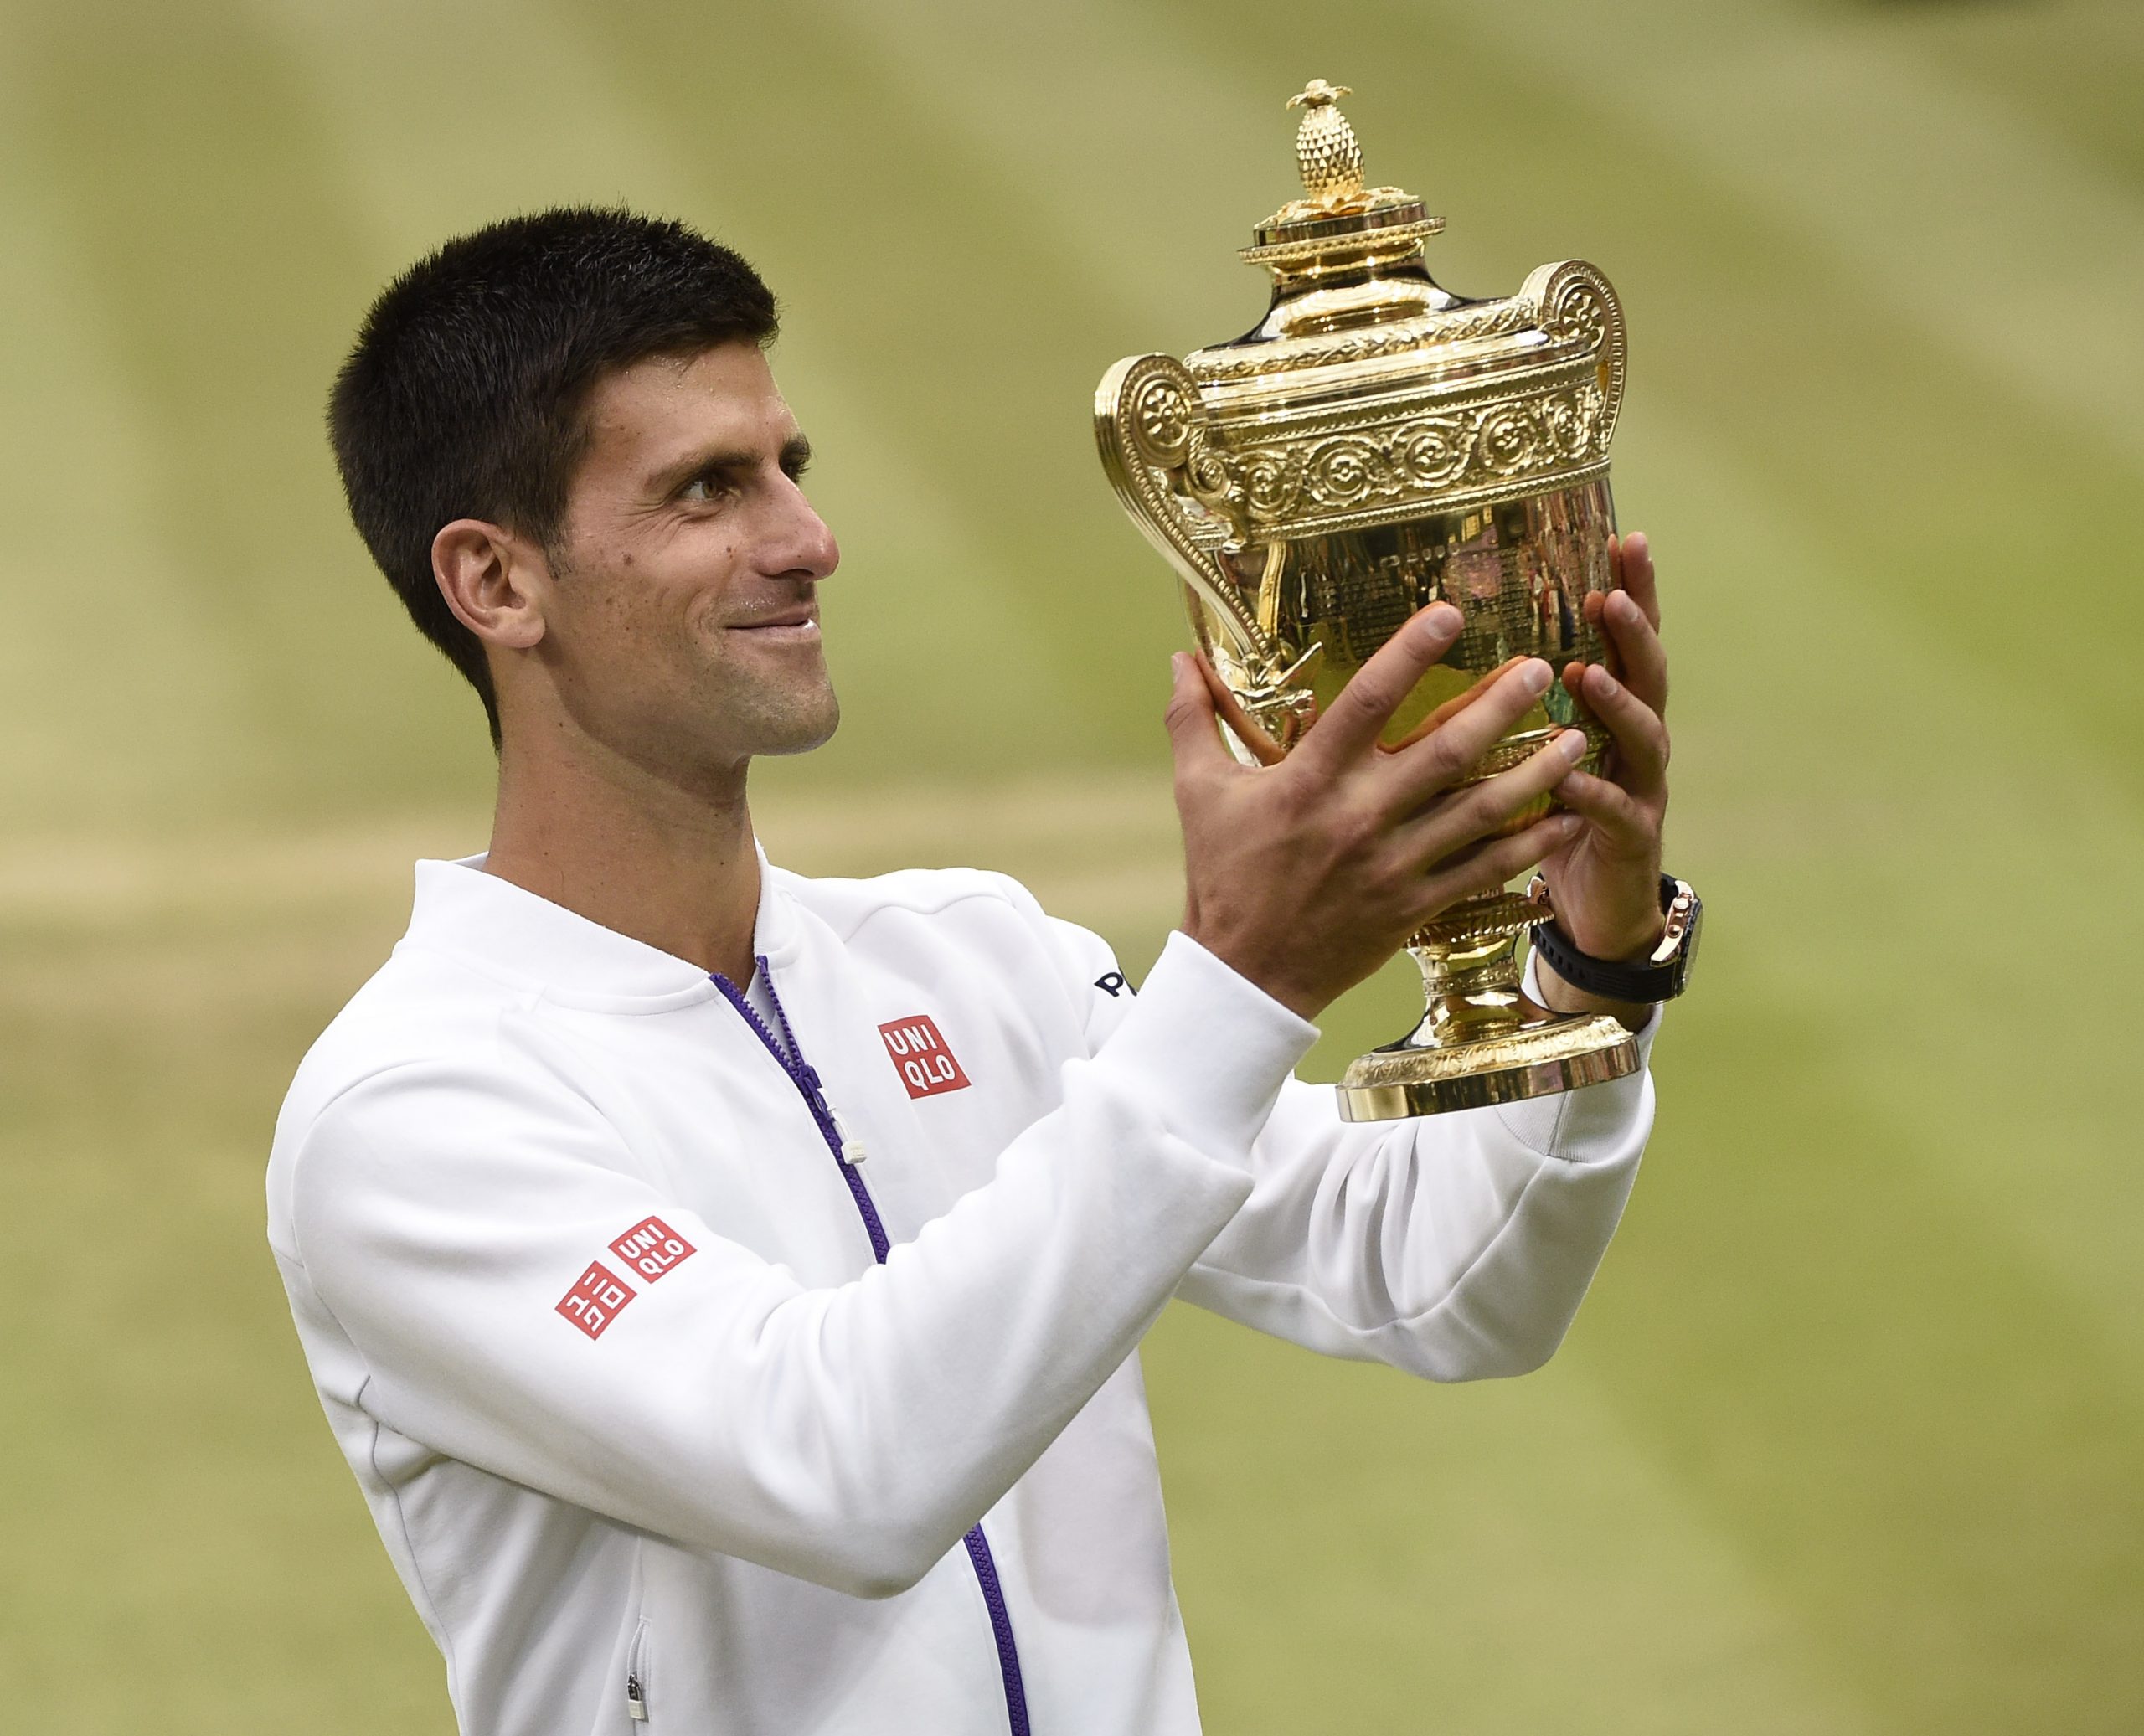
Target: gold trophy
pixel 1374 445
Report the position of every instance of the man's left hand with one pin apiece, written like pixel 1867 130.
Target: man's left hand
pixel 1605 883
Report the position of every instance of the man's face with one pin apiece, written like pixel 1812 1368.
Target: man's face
pixel 682 630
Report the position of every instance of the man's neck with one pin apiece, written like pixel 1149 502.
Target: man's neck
pixel 672 867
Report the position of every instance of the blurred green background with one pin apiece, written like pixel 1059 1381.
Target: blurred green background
pixel 1850 1437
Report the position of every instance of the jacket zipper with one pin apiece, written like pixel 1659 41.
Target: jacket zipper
pixel 847 1156
pixel 636 1675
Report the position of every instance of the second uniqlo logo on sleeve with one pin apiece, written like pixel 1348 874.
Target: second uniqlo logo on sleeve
pixel 597 1298
pixel 651 1248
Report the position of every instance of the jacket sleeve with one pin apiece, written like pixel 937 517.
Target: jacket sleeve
pixel 1457 1247
pixel 441 1211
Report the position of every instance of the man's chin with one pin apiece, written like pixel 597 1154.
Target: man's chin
pixel 799 734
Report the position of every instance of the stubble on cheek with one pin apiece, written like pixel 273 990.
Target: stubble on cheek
pixel 684 681
pixel 764 697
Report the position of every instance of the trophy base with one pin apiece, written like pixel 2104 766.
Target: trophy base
pixel 1542 1054
pixel 1482 1041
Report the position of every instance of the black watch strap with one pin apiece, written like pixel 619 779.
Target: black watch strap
pixel 1660 977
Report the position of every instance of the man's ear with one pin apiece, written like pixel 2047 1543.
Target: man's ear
pixel 494 581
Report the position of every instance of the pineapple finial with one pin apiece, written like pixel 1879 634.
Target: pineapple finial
pixel 1325 150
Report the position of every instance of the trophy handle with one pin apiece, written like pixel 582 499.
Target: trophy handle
pixel 1160 458
pixel 1577 305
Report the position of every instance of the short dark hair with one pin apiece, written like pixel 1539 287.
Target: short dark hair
pixel 466 395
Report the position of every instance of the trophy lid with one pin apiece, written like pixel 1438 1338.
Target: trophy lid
pixel 1339 224
pixel 1354 308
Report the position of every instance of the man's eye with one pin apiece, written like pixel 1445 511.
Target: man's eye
pixel 705 488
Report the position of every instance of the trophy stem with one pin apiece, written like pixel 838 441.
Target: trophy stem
pixel 1481 1040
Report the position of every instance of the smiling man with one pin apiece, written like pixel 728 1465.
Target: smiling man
pixel 726 1286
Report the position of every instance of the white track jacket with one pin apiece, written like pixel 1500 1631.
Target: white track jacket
pixel 674 1420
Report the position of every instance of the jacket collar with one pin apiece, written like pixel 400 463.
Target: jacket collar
pixel 518 936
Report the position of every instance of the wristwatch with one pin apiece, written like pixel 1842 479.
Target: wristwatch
pixel 1663 975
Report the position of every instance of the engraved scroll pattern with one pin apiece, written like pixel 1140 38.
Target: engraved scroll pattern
pixel 1506 440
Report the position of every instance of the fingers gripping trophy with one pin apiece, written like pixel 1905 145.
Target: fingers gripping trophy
pixel 1374 445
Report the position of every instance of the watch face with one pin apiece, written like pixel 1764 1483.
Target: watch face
pixel 1686 952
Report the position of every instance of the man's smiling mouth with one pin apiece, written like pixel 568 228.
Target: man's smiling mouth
pixel 801 623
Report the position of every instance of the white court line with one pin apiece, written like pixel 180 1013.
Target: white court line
pixel 1095 836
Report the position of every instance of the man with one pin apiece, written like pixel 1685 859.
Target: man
pixel 727 1286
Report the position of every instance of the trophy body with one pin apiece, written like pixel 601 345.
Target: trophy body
pixel 1374 445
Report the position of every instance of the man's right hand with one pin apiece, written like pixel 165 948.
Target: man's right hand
pixel 1305 876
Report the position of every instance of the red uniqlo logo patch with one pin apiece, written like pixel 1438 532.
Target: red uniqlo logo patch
pixel 926 1065
pixel 596 1299
pixel 651 1248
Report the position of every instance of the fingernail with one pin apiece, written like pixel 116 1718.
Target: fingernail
pixel 1442 621
pixel 1176 667
pixel 1536 675
pixel 1605 684
pixel 1572 745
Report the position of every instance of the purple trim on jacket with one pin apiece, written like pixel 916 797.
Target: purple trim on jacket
pixel 805 1077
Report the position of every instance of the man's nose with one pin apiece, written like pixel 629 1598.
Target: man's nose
pixel 807 546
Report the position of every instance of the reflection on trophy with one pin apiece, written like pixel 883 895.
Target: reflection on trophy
pixel 1376 444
